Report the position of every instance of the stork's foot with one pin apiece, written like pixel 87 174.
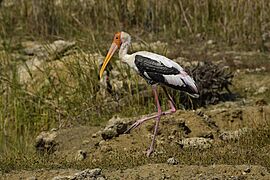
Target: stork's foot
pixel 139 122
pixel 149 152
pixel 134 125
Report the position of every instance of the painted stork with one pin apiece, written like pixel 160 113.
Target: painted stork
pixel 155 69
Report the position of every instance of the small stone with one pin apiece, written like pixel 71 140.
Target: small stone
pixel 88 173
pixel 179 41
pixel 85 142
pixel 81 155
pixel 171 137
pixel 46 142
pixel 196 142
pixel 198 35
pixel 106 148
pixel 247 170
pixel 261 90
pixel 32 178
pixel 102 142
pixel 261 102
pixel 199 112
pixel 54 129
pixel 108 133
pixel 94 135
pixel 172 161
pixel 63 178
pixel 210 42
pixel 114 128
pixel 182 125
pixel 100 178
pixel 233 135
pixel 208 135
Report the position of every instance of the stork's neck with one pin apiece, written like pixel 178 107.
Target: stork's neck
pixel 123 50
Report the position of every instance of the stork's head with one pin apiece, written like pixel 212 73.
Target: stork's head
pixel 118 40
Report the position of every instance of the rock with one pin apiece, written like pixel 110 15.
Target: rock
pixel 102 142
pixel 198 35
pixel 247 170
pixel 60 46
pixel 171 137
pixel 233 135
pixel 196 142
pixel 94 135
pixel 63 178
pixel 267 45
pixel 208 135
pixel 87 174
pixel 261 69
pixel 29 66
pixel 85 142
pixel 238 63
pixel 237 114
pixel 36 54
pixel 234 115
pixel 179 41
pixel 109 133
pixel 210 42
pixel 54 129
pixel 81 155
pixel 100 178
pixel 182 125
pixel 45 142
pixel 33 48
pixel 261 102
pixel 209 121
pixel 261 90
pixel 32 178
pixel 114 128
pixel 172 161
pixel 105 148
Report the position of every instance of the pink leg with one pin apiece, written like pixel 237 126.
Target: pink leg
pixel 151 149
pixel 158 116
pixel 171 103
pixel 140 121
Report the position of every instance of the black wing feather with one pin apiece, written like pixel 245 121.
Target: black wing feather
pixel 148 65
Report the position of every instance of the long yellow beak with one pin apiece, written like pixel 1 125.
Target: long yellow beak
pixel 112 50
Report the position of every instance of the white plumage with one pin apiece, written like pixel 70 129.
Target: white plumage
pixel 182 79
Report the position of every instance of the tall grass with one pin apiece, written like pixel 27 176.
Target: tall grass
pixel 232 22
pixel 60 94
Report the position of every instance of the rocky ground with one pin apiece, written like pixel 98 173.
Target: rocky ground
pixel 222 128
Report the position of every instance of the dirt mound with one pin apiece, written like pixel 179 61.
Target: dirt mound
pixel 206 143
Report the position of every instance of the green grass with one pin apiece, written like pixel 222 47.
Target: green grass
pixel 61 93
